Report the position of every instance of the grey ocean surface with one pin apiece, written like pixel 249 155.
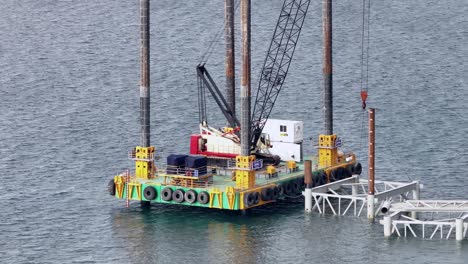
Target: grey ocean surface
pixel 69 73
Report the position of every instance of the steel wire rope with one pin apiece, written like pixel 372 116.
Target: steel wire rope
pixel 400 161
pixel 366 83
pixel 362 41
pixel 215 39
pixel 362 113
pixel 367 76
pixel 368 43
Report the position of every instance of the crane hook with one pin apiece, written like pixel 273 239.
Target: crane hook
pixel 364 98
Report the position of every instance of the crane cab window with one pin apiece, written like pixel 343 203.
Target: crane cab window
pixel 283 129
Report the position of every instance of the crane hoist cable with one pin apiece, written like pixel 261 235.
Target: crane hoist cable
pixel 274 70
pixel 364 64
pixel 209 50
pixel 204 79
pixel 365 46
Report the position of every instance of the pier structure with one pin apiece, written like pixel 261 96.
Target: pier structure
pixel 350 196
pixel 398 204
pixel 436 218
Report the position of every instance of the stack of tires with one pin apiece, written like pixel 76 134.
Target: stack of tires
pixel 340 174
pixel 251 199
pixel 319 179
pixel 181 196
pixel 292 187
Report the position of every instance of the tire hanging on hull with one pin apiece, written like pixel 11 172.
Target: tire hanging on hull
pixel 166 194
pixel 178 196
pixel 149 193
pixel 357 169
pixel 111 187
pixel 190 196
pixel 203 197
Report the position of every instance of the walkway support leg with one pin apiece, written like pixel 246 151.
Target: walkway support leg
pixel 459 229
pixel 308 199
pixel 308 182
pixel 387 226
pixel 370 207
pixel 415 197
pixel 354 187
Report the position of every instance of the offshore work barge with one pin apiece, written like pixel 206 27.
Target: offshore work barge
pixel 237 187
pixel 235 168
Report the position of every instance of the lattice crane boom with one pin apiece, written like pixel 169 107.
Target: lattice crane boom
pixel 277 62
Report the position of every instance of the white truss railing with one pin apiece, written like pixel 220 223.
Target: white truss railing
pixel 404 214
pixel 444 217
pixel 350 195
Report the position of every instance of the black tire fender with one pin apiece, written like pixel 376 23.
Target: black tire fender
pixel 288 188
pixel 267 194
pixel 357 169
pixel 322 178
pixel 296 187
pixel 166 194
pixel 190 196
pixel 203 197
pixel 315 180
pixel 249 199
pixel 111 187
pixel 276 193
pixel 178 196
pixel 256 197
pixel 346 173
pixel 281 189
pixel 149 193
pixel 301 183
pixel 335 175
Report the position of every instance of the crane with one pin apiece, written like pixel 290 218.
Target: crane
pixel 277 62
pixel 225 142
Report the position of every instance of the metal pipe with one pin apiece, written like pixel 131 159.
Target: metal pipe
pixel 370 195
pixel 308 173
pixel 145 73
pixel 327 66
pixel 371 150
pixel 230 59
pixel 245 79
pixel 309 183
pixel 386 206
